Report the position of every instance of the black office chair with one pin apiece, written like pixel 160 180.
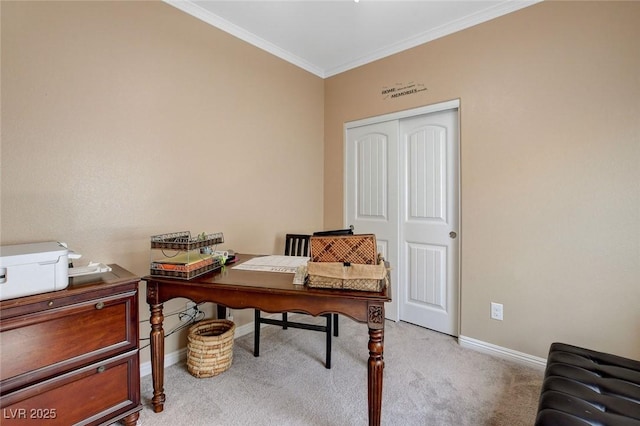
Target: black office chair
pixel 298 245
pixel 295 245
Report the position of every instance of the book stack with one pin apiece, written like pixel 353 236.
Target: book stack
pixel 185 265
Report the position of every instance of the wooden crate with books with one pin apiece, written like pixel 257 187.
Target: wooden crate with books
pixel 179 255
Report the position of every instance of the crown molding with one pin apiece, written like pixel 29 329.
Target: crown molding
pixel 204 15
pixel 501 9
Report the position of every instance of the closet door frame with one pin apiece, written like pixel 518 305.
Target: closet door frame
pixel 392 310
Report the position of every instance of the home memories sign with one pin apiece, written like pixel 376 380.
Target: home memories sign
pixel 402 89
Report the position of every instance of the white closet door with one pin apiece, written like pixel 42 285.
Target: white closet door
pixel 371 188
pixel 429 221
pixel 401 183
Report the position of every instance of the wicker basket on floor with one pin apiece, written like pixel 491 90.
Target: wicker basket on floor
pixel 210 347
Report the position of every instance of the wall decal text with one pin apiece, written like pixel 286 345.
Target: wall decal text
pixel 402 89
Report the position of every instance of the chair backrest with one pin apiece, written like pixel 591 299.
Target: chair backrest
pixel 296 245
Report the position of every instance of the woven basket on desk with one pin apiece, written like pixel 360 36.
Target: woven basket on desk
pixel 346 261
pixel 210 347
pixel 353 277
pixel 360 249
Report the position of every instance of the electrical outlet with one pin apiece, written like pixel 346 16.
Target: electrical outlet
pixel 190 312
pixel 496 311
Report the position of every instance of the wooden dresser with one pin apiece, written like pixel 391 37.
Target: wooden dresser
pixel 71 356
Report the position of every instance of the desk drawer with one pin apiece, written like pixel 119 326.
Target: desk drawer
pixel 39 345
pixel 85 396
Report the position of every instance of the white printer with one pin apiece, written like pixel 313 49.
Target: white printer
pixel 27 269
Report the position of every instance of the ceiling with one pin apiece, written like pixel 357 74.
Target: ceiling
pixel 332 36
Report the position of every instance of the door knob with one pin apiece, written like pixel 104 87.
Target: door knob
pixel 452 235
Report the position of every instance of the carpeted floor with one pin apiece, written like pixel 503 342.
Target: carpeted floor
pixel 428 380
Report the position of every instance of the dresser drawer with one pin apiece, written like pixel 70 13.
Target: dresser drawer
pixel 41 344
pixel 89 395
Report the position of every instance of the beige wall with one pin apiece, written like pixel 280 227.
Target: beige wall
pixel 550 167
pixel 121 120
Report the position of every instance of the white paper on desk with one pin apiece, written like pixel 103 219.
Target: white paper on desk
pixel 91 268
pixel 275 263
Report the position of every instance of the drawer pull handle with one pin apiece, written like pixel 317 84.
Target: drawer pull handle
pixel 101 369
pixel 99 305
pixel 50 303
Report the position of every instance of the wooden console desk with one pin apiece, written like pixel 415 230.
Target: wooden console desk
pixel 270 292
pixel 71 356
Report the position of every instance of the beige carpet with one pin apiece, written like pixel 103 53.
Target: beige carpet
pixel 428 380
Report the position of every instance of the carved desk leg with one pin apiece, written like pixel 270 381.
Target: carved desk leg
pixel 376 362
pixel 157 357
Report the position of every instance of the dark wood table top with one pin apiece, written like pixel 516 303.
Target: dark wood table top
pixel 259 283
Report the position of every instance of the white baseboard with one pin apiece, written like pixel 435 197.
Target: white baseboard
pixel 169 359
pixel 510 354
pixel 181 354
